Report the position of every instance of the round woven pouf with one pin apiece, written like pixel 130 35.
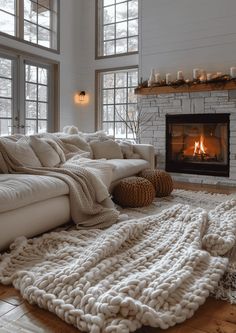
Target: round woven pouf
pixel 134 192
pixel 161 181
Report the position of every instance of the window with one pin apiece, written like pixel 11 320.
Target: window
pixel 6 95
pixel 36 98
pixel 26 96
pixel 118 103
pixel 117 26
pixel 34 21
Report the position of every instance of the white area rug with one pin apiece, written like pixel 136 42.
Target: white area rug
pixel 201 199
pixel 226 289
pixel 150 271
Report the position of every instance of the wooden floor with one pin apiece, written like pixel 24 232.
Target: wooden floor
pixel 16 315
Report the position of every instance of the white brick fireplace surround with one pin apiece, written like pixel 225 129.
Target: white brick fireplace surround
pixel 189 103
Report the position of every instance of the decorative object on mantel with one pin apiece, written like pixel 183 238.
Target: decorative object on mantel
pixel 201 81
pixel 151 80
pixel 233 72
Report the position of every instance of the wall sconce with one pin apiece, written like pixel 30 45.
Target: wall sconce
pixel 81 97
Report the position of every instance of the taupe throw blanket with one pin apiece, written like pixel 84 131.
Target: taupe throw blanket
pixel 155 271
pixel 85 210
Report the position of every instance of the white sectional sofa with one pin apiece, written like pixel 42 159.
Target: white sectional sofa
pixel 33 204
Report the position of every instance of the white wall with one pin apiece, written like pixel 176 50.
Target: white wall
pixel 174 35
pixel 68 59
pixel 186 34
pixel 86 52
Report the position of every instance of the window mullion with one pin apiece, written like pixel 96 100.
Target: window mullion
pixel 21 94
pixel 20 18
pixel 15 96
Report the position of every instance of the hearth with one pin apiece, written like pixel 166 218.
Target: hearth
pixel 198 144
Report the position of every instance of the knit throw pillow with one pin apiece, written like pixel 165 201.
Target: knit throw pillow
pixel 107 149
pixel 48 151
pixel 22 152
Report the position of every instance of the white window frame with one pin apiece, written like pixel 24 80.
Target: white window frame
pixel 99 32
pixel 20 21
pixel 19 109
pixel 14 93
pixel 100 104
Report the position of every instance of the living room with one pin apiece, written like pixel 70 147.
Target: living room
pixel 86 72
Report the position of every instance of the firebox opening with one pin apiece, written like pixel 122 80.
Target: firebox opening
pixel 198 144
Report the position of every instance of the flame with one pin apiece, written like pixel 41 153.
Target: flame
pixel 199 147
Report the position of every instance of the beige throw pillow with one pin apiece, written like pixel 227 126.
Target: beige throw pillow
pixel 22 152
pixel 106 149
pixel 47 155
pixel 78 142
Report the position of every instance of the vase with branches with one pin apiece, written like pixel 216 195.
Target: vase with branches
pixel 136 121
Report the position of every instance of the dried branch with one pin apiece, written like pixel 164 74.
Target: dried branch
pixel 137 124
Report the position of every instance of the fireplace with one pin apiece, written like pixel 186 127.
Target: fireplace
pixel 198 144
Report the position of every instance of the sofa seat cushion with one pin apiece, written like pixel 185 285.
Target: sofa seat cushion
pixel 125 168
pixel 18 190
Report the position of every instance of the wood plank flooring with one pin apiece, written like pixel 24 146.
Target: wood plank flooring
pixel 17 315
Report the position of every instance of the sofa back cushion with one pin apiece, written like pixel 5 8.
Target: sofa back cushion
pixel 108 149
pixel 21 151
pixel 47 151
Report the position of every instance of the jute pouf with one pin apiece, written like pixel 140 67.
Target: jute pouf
pixel 161 181
pixel 134 192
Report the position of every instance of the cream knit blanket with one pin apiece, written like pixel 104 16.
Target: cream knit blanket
pixel 153 271
pixel 90 202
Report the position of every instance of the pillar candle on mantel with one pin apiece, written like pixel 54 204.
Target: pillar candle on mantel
pixel 209 76
pixel 196 73
pixel 168 78
pixel 180 75
pixel 233 72
pixel 157 77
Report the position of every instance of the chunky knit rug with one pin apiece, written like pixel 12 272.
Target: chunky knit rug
pixel 154 271
pixel 226 288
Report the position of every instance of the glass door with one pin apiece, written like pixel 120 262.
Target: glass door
pixel 36 98
pixel 8 113
pixel 26 96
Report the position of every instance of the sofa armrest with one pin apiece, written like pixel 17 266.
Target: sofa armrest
pixel 146 152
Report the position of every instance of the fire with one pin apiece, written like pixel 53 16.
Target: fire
pixel 199 148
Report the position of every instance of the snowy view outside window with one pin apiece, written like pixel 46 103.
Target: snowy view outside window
pixel 36 99
pixel 118 26
pixel 6 96
pixel 33 117
pixel 37 21
pixel 119 102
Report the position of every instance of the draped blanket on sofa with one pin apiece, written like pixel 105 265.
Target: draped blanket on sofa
pixel 90 201
pixel 154 271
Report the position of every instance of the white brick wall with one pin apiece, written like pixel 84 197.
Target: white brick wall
pixel 197 102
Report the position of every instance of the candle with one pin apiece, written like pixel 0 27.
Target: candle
pixel 180 75
pixel 152 77
pixel 209 76
pixel 168 78
pixel 203 76
pixel 233 72
pixel 196 73
pixel 157 77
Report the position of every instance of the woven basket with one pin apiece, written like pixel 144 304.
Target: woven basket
pixel 161 181
pixel 134 192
